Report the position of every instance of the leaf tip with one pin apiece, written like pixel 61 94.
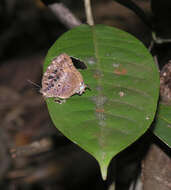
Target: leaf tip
pixel 103 169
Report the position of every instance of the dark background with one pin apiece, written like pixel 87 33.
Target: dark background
pixel 33 153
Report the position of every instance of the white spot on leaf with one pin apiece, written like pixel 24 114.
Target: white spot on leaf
pixel 121 94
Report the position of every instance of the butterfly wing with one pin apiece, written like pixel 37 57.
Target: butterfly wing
pixel 61 78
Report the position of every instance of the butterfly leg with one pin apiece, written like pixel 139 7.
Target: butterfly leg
pixel 59 101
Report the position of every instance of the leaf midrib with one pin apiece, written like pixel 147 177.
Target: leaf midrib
pixel 101 137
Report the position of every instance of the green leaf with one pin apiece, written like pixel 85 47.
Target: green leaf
pixel 162 127
pixel 124 84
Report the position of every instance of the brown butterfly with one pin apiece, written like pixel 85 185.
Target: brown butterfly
pixel 61 79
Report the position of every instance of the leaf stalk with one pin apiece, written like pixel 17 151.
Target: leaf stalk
pixel 88 10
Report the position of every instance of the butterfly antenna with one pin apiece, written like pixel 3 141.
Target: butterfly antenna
pixel 33 83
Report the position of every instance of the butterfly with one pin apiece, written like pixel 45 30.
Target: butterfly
pixel 62 80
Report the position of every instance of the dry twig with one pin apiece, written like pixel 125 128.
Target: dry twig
pixel 64 15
